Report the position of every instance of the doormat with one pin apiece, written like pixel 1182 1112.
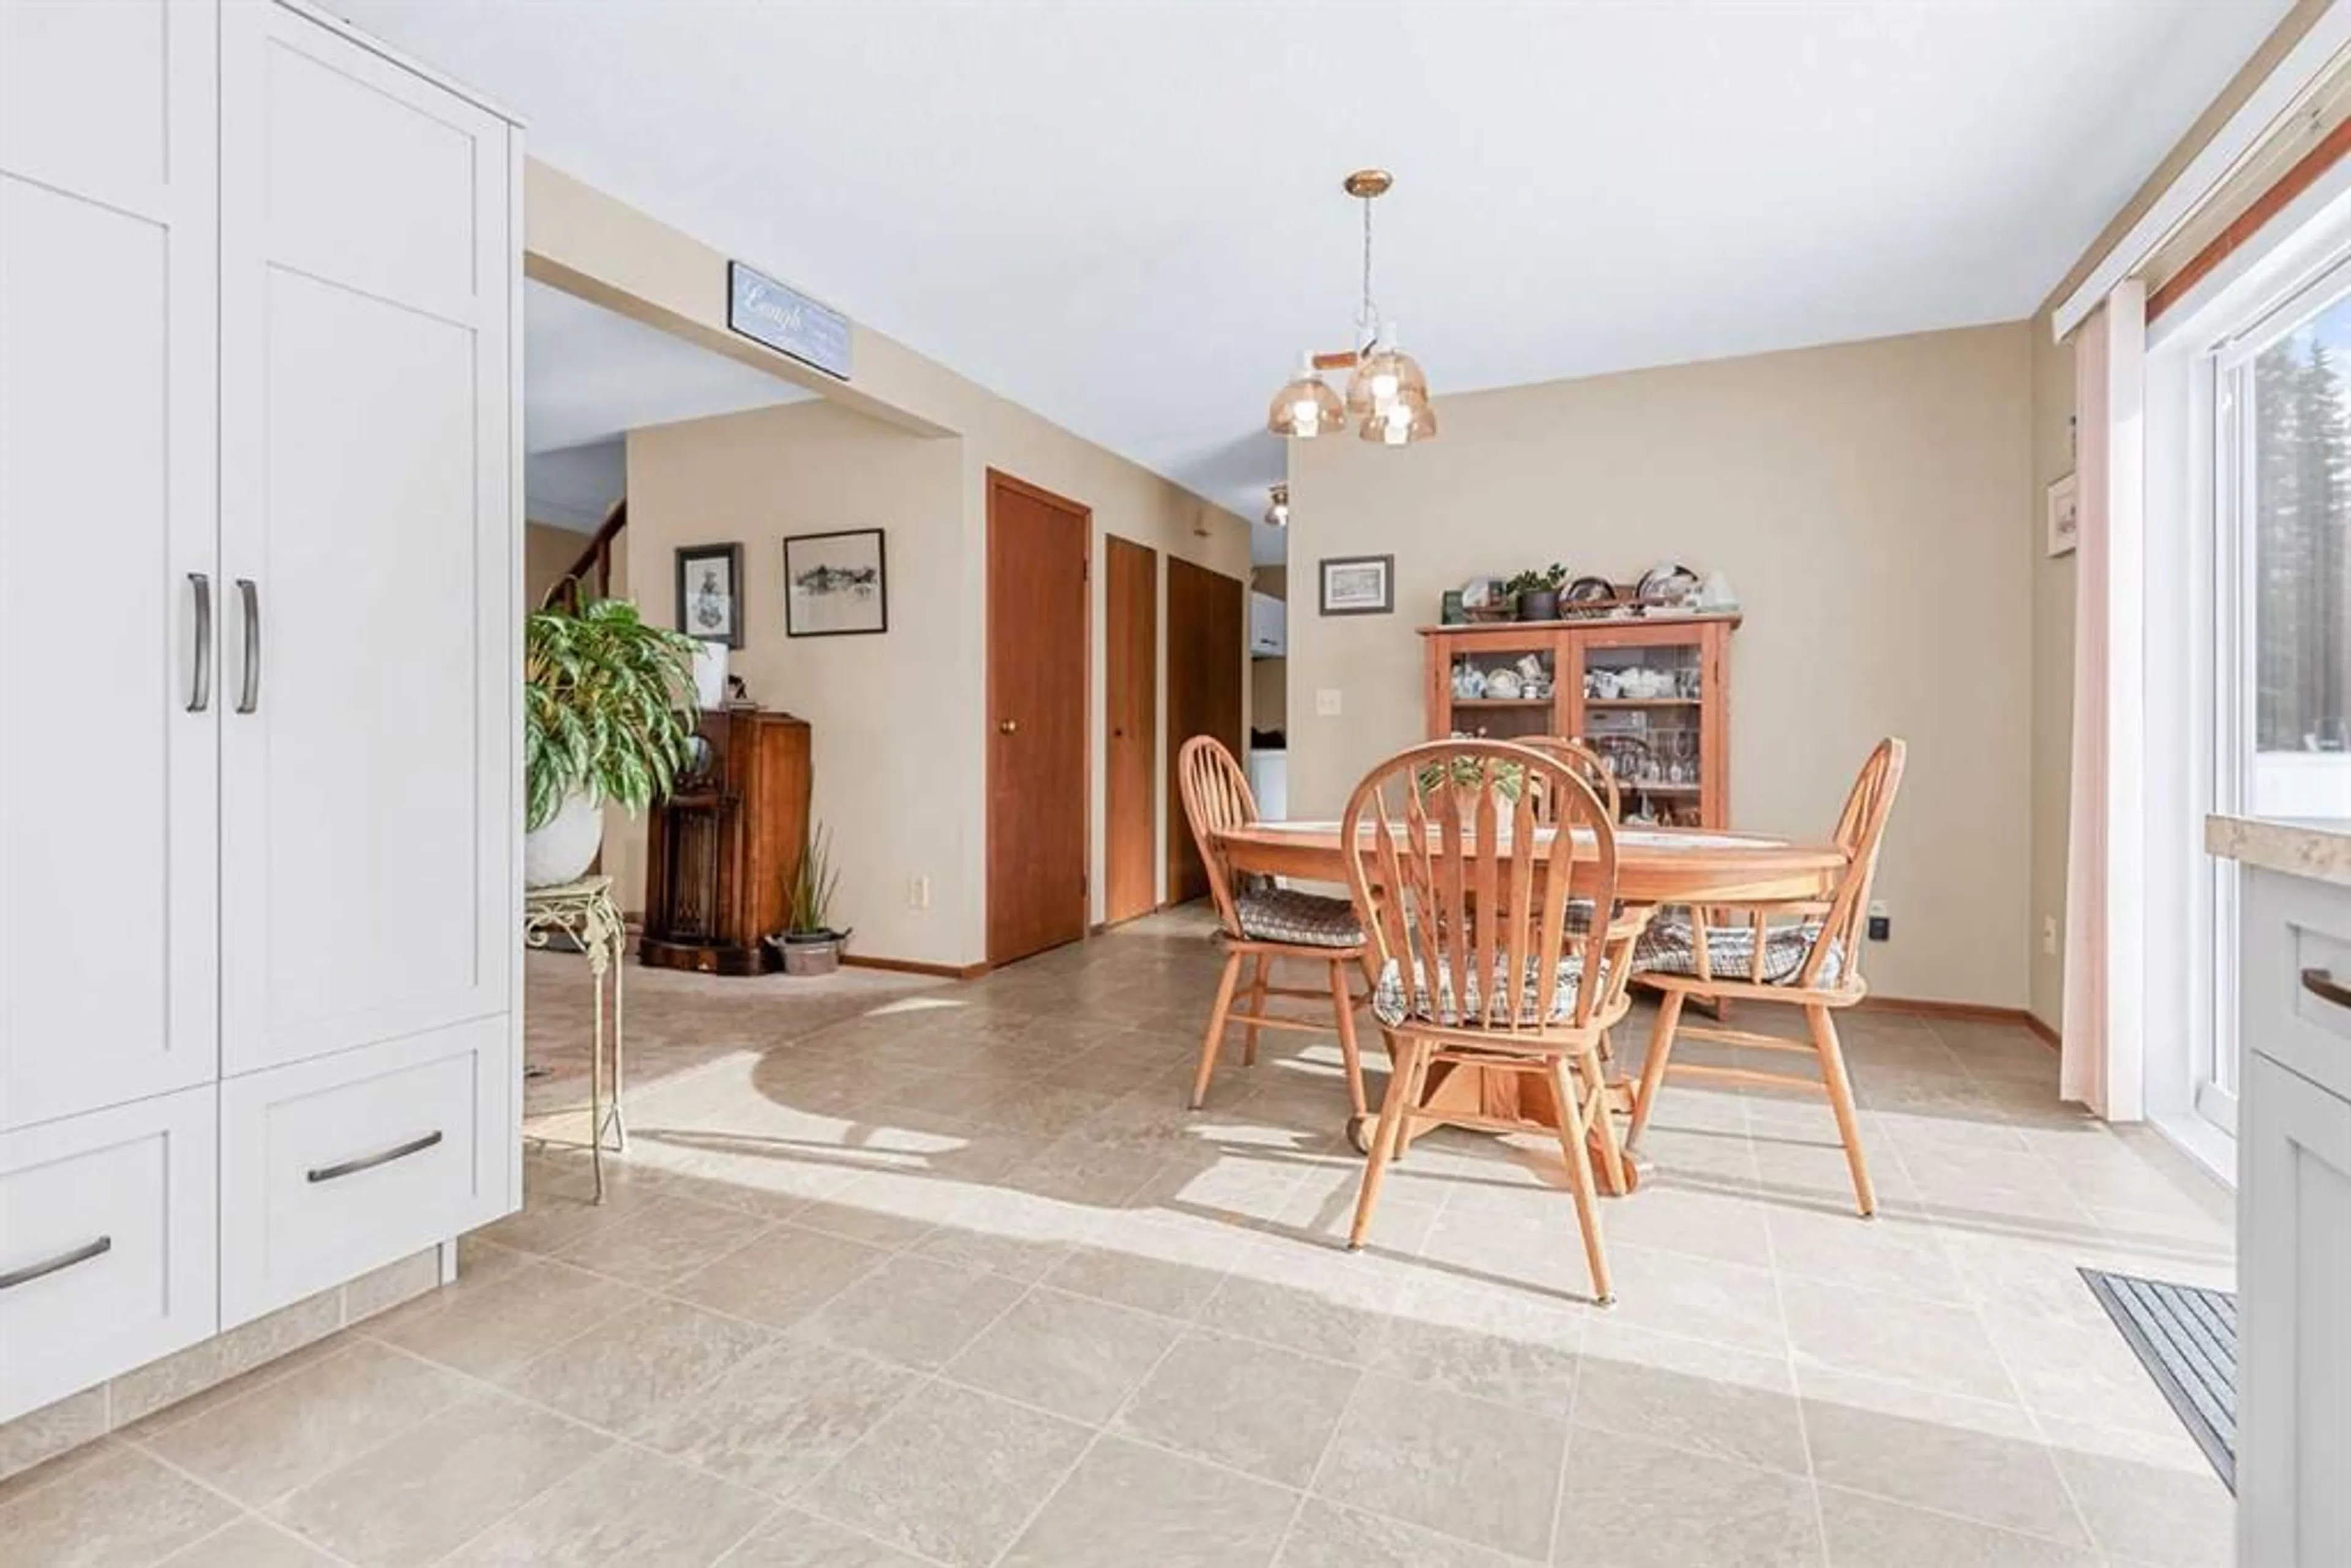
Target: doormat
pixel 2187 1339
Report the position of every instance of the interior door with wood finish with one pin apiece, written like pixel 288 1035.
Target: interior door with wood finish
pixel 1131 713
pixel 1208 629
pixel 370 663
pixel 1039 651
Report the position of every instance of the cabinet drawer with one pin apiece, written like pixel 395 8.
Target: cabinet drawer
pixel 2295 974
pixel 332 1166
pixel 107 1245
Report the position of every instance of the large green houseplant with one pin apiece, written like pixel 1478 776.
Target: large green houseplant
pixel 608 716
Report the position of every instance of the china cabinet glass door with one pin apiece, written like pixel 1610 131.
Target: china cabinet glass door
pixel 1643 703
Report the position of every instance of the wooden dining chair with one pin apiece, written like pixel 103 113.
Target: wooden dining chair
pixel 1586 764
pixel 1804 955
pixel 1476 957
pixel 1261 924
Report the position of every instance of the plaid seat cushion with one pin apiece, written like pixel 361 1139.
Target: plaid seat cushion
pixel 1393 1005
pixel 1304 919
pixel 1667 947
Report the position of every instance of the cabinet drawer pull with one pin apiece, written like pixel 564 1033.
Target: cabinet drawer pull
pixel 2322 984
pixel 369 1162
pixel 249 699
pixel 32 1271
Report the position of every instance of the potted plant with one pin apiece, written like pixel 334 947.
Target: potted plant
pixel 1465 776
pixel 808 943
pixel 608 715
pixel 1537 592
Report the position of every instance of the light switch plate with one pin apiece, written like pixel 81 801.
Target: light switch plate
pixel 1326 702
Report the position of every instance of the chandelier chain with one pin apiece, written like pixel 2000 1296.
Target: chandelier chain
pixel 1367 318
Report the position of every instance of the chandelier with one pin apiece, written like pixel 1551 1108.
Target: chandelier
pixel 1387 394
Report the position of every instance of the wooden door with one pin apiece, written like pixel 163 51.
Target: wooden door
pixel 1131 720
pixel 109 815
pixel 369 756
pixel 1039 651
pixel 1207 643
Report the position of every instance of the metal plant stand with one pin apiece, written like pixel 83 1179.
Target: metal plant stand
pixel 584 912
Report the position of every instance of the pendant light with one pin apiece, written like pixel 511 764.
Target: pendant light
pixel 1307 407
pixel 1387 392
pixel 1277 513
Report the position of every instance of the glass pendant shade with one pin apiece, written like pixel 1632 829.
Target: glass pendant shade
pixel 1307 407
pixel 1409 418
pixel 1384 373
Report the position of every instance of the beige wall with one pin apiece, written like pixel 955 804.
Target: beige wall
pixel 587 243
pixel 876 703
pixel 1865 501
pixel 547 553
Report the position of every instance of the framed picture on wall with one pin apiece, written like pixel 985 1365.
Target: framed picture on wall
pixel 836 584
pixel 2065 516
pixel 1358 585
pixel 710 593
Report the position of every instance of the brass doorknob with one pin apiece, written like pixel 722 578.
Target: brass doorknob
pixel 1005 727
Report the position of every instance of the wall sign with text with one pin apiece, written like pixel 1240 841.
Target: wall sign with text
pixel 786 320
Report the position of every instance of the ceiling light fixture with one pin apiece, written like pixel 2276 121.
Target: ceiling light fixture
pixel 1278 514
pixel 1387 392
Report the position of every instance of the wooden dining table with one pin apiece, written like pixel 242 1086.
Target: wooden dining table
pixel 1655 867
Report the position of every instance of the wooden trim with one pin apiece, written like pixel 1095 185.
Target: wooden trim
pixel 2041 1031
pixel 1960 1012
pixel 2304 174
pixel 915 967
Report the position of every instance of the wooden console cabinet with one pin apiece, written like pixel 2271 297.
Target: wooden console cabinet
pixel 1652 695
pixel 724 849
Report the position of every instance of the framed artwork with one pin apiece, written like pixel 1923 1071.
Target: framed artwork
pixel 1358 585
pixel 2065 516
pixel 835 585
pixel 710 593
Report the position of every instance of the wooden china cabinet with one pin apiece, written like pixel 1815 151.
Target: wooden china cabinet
pixel 1652 695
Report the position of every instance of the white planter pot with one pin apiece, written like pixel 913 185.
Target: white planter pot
pixel 710 675
pixel 562 850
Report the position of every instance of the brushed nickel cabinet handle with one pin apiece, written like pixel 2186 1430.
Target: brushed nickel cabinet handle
pixel 369 1162
pixel 2322 984
pixel 32 1271
pixel 250 698
pixel 201 697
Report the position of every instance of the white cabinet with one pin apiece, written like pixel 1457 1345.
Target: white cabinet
pixel 367 544
pixel 109 833
pixel 1269 626
pixel 2293 1209
pixel 259 663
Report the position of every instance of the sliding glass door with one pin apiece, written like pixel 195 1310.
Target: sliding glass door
pixel 2282 602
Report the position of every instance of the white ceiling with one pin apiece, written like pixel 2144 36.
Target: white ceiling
pixel 1126 215
pixel 590 374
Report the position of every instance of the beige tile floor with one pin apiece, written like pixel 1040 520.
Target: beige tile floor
pixel 956 1280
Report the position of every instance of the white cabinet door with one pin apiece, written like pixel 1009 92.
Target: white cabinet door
pixel 108 534
pixel 2293 1265
pixel 370 657
pixel 108 1252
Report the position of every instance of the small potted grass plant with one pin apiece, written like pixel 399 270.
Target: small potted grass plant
pixel 1537 592
pixel 608 716
pixel 810 944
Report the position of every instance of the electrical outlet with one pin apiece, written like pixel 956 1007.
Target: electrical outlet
pixel 2049 935
pixel 918 892
pixel 1326 702
pixel 1881 922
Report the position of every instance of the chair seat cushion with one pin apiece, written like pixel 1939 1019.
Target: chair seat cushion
pixel 1667 948
pixel 1304 919
pixel 1393 1004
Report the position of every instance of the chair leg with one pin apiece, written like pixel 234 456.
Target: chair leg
pixel 1572 1135
pixel 1604 1124
pixel 1392 1111
pixel 1825 1041
pixel 1344 1002
pixel 1653 1070
pixel 1256 1007
pixel 1216 1037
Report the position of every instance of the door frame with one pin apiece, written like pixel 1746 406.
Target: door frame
pixel 1112 546
pixel 999 481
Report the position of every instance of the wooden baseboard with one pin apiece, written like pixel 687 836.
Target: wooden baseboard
pixel 915 967
pixel 1961 1012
